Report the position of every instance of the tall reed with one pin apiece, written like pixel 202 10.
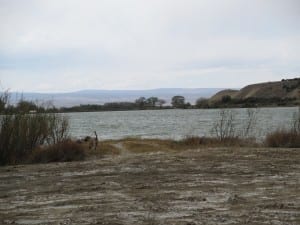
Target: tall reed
pixel 22 132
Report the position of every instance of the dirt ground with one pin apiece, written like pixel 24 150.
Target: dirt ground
pixel 197 186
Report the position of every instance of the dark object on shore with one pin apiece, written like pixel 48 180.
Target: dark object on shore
pixel 93 142
pixel 87 138
pixel 96 140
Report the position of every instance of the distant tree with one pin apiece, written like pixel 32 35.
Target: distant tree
pixel 161 102
pixel 187 105
pixel 152 101
pixel 119 106
pixel 178 101
pixel 26 106
pixel 141 102
pixel 3 101
pixel 202 103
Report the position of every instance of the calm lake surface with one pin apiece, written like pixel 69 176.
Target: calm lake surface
pixel 174 124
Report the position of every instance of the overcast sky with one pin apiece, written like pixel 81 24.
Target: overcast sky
pixel 68 45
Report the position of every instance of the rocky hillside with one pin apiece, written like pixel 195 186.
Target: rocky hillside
pixel 284 90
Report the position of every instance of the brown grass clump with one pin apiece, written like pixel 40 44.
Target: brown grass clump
pixel 289 138
pixel 138 145
pixel 135 146
pixel 195 141
pixel 283 138
pixel 64 151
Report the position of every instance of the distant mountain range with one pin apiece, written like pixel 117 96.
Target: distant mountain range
pixel 104 96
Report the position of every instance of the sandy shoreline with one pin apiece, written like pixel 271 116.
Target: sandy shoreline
pixel 199 186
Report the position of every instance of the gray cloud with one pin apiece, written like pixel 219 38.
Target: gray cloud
pixel 68 45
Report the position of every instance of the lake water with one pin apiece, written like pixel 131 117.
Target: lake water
pixel 174 124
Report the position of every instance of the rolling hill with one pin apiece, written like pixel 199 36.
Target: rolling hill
pixel 284 90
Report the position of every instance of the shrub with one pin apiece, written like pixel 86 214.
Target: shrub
pixel 224 127
pixel 249 125
pixel 227 128
pixel 21 132
pixel 64 151
pixel 202 103
pixel 283 138
pixel 296 121
pixel 58 127
pixel 289 138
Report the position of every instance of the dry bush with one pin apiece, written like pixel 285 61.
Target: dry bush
pixel 64 151
pixel 58 128
pixel 250 124
pixel 21 132
pixel 283 138
pixel 224 127
pixel 296 122
pixel 289 138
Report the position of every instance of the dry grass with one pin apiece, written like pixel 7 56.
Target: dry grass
pixel 195 141
pixel 289 138
pixel 148 145
pixel 138 145
pixel 283 138
pixel 105 148
pixel 134 145
pixel 64 151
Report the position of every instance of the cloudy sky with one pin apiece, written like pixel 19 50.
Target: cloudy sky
pixel 68 45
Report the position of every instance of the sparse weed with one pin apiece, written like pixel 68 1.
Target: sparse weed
pixel 225 127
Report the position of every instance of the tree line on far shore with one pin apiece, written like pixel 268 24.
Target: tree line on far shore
pixel 143 103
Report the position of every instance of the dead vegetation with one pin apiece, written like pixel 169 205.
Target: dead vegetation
pixel 286 137
pixel 64 151
pixel 31 134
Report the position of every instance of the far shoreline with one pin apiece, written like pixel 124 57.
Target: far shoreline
pixel 191 108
